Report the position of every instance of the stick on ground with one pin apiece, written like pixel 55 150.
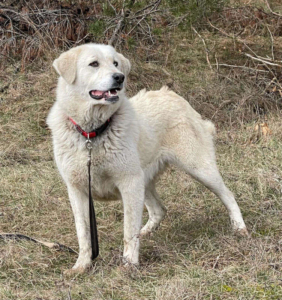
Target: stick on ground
pixel 17 237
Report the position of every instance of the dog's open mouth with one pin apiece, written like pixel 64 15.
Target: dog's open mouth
pixel 110 95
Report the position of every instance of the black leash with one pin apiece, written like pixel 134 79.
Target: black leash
pixel 92 217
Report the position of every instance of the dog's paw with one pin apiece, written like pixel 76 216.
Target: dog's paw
pixel 129 264
pixel 153 223
pixel 75 271
pixel 242 232
pixel 129 267
pixel 149 228
pixel 78 268
pixel 145 232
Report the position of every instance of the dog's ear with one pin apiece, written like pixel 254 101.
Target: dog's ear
pixel 125 64
pixel 65 65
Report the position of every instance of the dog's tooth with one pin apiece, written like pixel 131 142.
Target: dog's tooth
pixel 110 93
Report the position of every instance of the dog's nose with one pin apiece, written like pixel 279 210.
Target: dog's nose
pixel 118 77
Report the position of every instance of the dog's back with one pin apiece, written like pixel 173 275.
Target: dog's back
pixel 165 109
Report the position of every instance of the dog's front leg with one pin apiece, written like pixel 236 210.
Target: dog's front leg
pixel 132 192
pixel 80 207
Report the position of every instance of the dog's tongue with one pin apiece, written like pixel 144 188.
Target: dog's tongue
pixel 103 94
pixel 97 93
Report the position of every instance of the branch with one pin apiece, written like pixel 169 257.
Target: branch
pixel 274 13
pixel 240 67
pixel 112 7
pixel 157 3
pixel 206 49
pixel 119 24
pixel 142 13
pixel 16 236
pixel 266 63
pixel 223 32
pixel 272 43
pixel 235 36
pixel 263 60
pixel 145 14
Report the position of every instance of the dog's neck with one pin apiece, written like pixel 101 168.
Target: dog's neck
pixel 90 117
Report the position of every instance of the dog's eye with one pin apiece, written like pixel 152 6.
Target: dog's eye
pixel 116 63
pixel 94 64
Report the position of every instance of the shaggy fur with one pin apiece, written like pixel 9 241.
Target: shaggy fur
pixel 147 132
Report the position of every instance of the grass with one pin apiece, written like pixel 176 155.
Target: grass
pixel 194 254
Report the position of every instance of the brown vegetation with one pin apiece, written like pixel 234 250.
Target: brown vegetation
pixel 229 68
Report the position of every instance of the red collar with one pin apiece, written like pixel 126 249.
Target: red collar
pixel 92 133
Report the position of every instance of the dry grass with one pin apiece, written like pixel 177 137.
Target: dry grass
pixel 194 254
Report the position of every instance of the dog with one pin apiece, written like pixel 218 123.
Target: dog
pixel 141 136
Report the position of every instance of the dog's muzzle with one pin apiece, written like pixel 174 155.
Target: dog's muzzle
pixel 110 95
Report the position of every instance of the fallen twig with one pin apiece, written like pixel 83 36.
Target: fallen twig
pixel 274 13
pixel 263 60
pixel 272 43
pixel 157 3
pixel 145 14
pixel 17 236
pixel 241 67
pixel 206 49
pixel 234 37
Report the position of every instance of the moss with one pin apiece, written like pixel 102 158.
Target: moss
pixel 157 31
pixel 97 28
pixel 195 10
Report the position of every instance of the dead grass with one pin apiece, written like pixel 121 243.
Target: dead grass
pixel 194 254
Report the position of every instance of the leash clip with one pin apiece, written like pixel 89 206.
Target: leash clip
pixel 89 147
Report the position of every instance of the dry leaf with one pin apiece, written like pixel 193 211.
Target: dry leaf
pixel 263 129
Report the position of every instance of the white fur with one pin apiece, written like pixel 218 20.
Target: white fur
pixel 147 132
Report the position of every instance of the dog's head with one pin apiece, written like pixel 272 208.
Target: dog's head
pixel 97 72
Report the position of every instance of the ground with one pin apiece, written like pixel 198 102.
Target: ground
pixel 194 254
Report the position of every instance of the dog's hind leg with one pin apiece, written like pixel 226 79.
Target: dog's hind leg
pixel 208 174
pixel 155 209
pixel 211 178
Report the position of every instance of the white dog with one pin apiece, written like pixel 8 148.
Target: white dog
pixel 141 137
